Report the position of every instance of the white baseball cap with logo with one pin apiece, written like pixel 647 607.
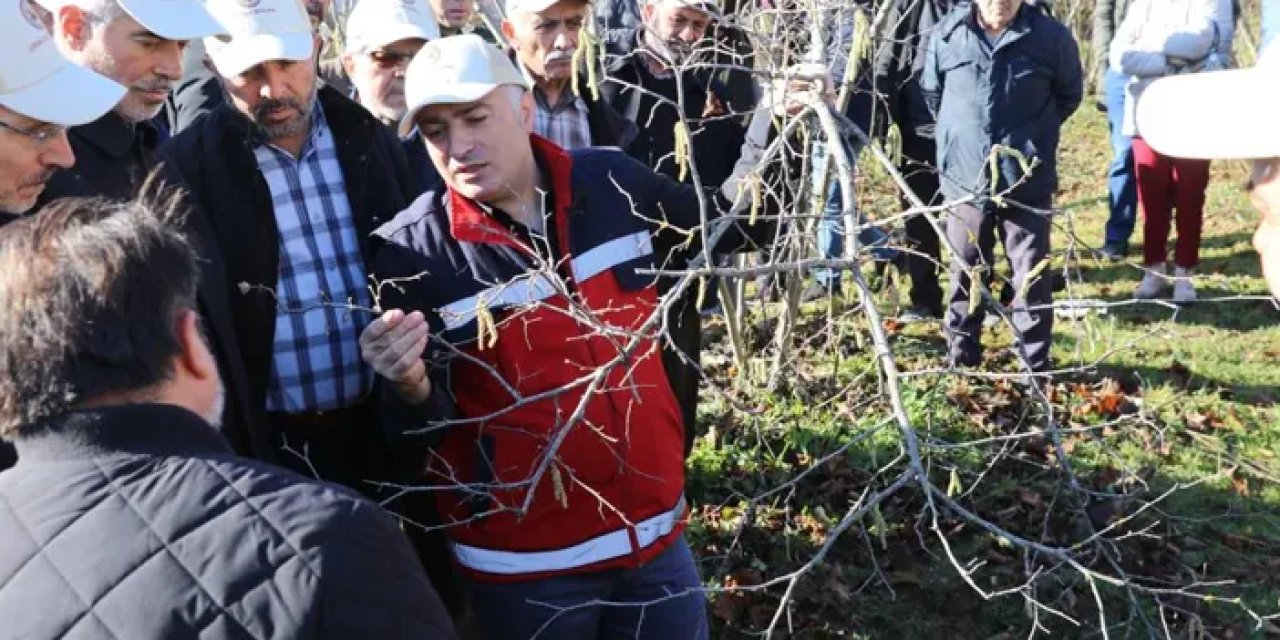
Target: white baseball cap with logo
pixel 170 19
pixel 513 7
pixel 258 31
pixel 38 82
pixel 1216 115
pixel 455 70
pixel 378 23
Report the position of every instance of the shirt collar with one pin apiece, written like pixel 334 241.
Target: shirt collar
pixel 469 222
pixel 154 429
pixel 540 97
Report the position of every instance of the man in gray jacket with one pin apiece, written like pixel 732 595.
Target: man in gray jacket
pixel 1001 79
pixel 127 516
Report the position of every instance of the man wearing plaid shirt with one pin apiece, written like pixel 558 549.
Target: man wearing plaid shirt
pixel 292 178
pixel 544 35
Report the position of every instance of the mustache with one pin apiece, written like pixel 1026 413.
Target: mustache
pixel 38 180
pixel 158 84
pixel 558 56
pixel 268 105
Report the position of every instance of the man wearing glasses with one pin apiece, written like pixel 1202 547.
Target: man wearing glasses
pixel 34 115
pixel 382 36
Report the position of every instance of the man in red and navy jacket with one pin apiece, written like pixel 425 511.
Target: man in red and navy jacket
pixel 522 320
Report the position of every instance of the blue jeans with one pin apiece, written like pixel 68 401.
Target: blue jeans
pixel 831 224
pixel 1122 181
pixel 661 600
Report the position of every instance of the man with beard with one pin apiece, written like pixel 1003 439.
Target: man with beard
pixel 126 515
pixel 382 36
pixel 293 178
pixel 544 35
pixel 650 82
pixel 137 43
pixel 34 116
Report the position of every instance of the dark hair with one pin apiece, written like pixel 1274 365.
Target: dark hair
pixel 90 291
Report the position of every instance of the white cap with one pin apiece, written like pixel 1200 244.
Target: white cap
pixel 1215 115
pixel 37 82
pixel 378 23
pixel 513 7
pixel 169 19
pixel 258 31
pixel 455 70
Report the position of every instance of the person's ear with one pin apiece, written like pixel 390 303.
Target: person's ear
pixel 647 10
pixel 527 111
pixel 196 360
pixel 508 32
pixel 72 28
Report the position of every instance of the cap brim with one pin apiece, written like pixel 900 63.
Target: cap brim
pixel 50 100
pixel 186 20
pixel 459 93
pixel 241 54
pixel 535 6
pixel 385 36
pixel 1215 115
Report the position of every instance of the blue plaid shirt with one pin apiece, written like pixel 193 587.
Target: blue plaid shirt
pixel 316 364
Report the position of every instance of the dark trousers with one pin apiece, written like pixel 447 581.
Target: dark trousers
pixel 972 230
pixel 923 261
pixel 661 600
pixel 1166 183
pixel 346 446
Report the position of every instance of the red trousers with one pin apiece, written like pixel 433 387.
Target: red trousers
pixel 1165 184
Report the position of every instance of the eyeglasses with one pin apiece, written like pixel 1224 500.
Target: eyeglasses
pixel 389 59
pixel 40 134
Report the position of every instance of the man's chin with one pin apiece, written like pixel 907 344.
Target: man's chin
pixel 15 204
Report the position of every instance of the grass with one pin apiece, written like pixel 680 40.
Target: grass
pixel 1181 399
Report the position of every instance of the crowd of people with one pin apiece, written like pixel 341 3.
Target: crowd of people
pixel 348 326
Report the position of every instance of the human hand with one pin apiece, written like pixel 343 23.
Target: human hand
pixel 393 345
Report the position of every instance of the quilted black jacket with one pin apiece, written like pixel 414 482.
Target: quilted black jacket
pixel 137 522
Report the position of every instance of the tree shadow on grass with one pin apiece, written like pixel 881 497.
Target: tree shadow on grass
pixel 896 582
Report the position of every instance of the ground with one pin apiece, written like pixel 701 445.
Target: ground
pixel 1182 399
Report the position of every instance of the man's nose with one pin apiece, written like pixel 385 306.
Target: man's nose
pixel 168 63
pixel 57 152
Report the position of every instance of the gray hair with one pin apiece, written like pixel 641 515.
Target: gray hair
pixel 102 11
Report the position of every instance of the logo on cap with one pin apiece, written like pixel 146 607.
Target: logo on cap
pixel 249 4
pixel 430 54
pixel 29 13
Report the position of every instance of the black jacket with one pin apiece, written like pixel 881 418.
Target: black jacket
pixel 899 63
pixel 113 157
pixel 112 160
pixel 214 160
pixel 1017 95
pixel 137 522
pixel 631 89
